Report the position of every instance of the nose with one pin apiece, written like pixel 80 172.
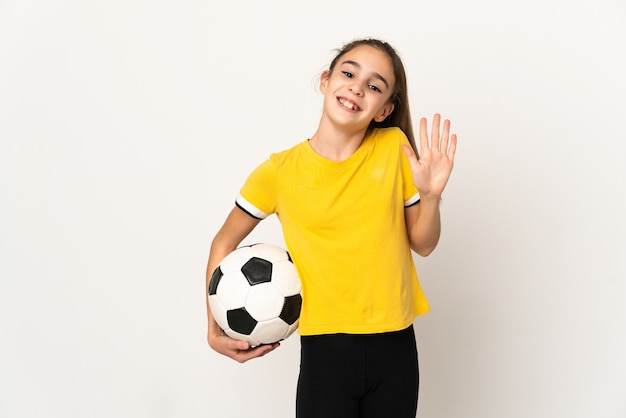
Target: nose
pixel 356 90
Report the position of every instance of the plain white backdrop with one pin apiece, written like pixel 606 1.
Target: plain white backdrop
pixel 127 128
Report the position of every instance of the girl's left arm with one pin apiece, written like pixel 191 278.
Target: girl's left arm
pixel 423 225
pixel 430 175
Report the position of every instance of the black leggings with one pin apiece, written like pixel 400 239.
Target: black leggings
pixel 358 376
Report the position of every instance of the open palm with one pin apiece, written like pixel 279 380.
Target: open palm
pixel 432 170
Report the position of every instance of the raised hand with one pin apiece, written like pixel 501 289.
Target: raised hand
pixel 432 170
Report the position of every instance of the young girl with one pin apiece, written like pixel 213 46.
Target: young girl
pixel 353 201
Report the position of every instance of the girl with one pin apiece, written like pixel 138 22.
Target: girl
pixel 353 201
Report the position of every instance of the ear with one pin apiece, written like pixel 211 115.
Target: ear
pixel 324 80
pixel 386 111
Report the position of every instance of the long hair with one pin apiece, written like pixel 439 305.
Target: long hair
pixel 401 115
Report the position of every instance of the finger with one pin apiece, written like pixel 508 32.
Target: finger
pixel 445 136
pixel 410 153
pixel 434 133
pixel 238 345
pixel 452 149
pixel 258 351
pixel 265 348
pixel 423 135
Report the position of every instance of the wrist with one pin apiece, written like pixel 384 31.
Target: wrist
pixel 430 198
pixel 214 329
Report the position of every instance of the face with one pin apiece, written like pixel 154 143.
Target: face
pixel 359 88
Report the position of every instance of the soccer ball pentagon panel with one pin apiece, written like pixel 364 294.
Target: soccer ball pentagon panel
pixel 255 294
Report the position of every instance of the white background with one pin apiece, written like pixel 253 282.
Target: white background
pixel 127 128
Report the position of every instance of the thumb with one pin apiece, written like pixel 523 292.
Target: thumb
pixel 239 345
pixel 410 154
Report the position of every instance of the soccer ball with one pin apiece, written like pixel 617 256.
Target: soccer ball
pixel 255 294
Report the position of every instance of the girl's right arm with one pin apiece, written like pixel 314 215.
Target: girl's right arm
pixel 237 226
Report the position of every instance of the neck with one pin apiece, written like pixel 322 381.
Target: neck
pixel 336 144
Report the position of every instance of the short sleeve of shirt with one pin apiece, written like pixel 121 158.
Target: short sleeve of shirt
pixel 410 192
pixel 258 195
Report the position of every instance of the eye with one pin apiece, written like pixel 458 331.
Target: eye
pixel 348 74
pixel 374 88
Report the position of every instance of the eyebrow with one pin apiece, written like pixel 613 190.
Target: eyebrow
pixel 376 75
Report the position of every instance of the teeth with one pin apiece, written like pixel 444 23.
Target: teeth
pixel 347 104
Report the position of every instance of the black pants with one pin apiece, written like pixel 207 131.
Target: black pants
pixel 358 376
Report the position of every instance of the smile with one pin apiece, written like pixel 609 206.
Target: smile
pixel 348 104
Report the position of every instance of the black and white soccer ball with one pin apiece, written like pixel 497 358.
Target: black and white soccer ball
pixel 255 294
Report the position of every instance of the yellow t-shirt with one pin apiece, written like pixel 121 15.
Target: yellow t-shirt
pixel 343 224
